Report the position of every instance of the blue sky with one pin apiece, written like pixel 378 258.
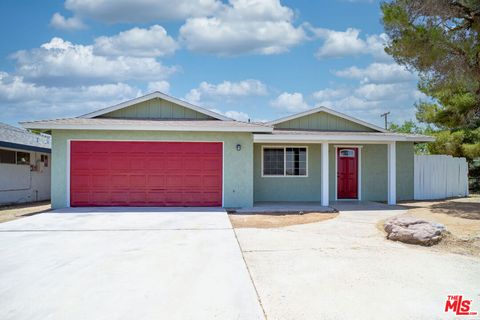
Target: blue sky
pixel 257 59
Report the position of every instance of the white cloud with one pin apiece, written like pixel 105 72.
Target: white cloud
pixel 348 43
pixel 368 95
pixel 291 102
pixel 137 42
pixel 114 11
pixel 378 73
pixel 63 63
pixel 162 86
pixel 244 26
pixel 390 91
pixel 237 115
pixel 22 100
pixel 329 93
pixel 226 90
pixel 60 22
pixel 369 100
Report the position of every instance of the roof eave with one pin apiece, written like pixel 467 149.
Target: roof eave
pixel 142 127
pixel 307 138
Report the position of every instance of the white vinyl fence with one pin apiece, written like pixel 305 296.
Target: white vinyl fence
pixel 439 177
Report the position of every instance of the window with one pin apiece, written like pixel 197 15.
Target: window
pixel 273 162
pixel 44 159
pixel 347 153
pixel 7 156
pixel 23 158
pixel 285 161
pixel 296 161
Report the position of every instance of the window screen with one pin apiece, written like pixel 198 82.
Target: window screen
pixel 285 161
pixel 273 161
pixel 296 161
pixel 23 158
pixel 7 156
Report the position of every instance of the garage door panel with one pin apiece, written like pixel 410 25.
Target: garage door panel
pixel 138 181
pixel 156 181
pixel 211 164
pixel 81 197
pixel 107 173
pixel 172 181
pixel 101 197
pixel 119 197
pixel 118 162
pixel 101 181
pixel 193 181
pixel 81 181
pixel 99 163
pixel 211 181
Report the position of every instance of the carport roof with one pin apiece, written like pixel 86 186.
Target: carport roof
pixel 146 125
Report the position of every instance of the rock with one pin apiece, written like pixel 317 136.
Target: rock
pixel 414 231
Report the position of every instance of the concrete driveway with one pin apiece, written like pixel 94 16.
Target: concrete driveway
pixel 344 268
pixel 124 264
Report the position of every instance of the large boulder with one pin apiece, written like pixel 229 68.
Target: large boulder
pixel 414 231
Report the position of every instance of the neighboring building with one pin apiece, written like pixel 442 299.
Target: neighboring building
pixel 161 151
pixel 24 165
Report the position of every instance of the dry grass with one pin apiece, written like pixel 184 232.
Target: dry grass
pixel 460 216
pixel 8 213
pixel 277 220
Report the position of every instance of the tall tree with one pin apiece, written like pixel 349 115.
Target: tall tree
pixel 439 39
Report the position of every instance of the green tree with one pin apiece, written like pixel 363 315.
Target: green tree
pixel 412 127
pixel 439 39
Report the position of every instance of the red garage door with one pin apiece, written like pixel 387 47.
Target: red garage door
pixel 106 173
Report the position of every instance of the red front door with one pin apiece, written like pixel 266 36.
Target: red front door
pixel 114 173
pixel 347 173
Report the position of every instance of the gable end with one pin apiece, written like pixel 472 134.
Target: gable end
pixel 324 119
pixel 156 109
pixel 156 105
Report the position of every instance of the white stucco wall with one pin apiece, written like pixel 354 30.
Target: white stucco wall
pixel 18 184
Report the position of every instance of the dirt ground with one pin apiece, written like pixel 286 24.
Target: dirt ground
pixel 460 216
pixel 8 213
pixel 276 220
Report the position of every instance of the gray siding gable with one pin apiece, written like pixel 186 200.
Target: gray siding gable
pixel 157 109
pixel 322 121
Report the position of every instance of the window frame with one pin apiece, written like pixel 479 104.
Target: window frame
pixel 284 147
pixel 20 163
pixel 350 155
pixel 14 156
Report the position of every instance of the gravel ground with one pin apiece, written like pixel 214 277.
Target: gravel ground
pixel 460 216
pixel 276 220
pixel 8 213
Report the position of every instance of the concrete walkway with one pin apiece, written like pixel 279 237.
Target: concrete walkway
pixel 344 268
pixel 124 264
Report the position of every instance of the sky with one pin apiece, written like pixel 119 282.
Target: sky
pixel 247 59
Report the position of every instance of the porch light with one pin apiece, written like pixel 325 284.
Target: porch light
pixel 239 147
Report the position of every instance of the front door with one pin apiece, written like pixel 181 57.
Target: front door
pixel 347 173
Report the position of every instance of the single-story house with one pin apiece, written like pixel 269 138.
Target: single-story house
pixel 157 150
pixel 24 165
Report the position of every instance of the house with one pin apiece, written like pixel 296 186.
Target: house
pixel 157 150
pixel 24 166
